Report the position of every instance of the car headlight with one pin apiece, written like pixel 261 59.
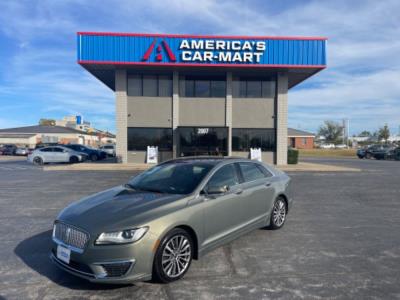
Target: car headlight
pixel 121 237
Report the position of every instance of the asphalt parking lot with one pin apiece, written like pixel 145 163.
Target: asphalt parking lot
pixel 341 240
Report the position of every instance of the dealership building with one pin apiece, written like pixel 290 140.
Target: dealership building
pixel 198 94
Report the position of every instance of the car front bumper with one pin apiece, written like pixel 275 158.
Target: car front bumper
pixel 114 264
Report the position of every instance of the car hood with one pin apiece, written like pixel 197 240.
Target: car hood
pixel 119 208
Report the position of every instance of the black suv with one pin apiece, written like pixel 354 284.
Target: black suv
pixel 93 154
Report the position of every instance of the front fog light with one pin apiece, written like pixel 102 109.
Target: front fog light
pixel 122 237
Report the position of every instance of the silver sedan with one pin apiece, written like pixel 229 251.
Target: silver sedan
pixel 55 154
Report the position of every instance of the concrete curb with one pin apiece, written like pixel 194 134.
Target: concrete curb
pixel 301 167
pixel 313 167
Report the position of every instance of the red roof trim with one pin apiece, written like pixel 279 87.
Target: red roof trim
pixel 160 64
pixel 205 36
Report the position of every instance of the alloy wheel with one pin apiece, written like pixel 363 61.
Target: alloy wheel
pixel 176 256
pixel 279 213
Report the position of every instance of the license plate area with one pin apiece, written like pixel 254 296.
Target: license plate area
pixel 63 254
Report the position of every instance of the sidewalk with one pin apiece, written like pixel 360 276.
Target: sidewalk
pixel 300 167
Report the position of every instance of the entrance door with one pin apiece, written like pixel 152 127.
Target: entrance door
pixel 195 141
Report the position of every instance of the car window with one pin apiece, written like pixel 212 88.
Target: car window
pixel 57 149
pixel 226 176
pixel 250 171
pixel 46 149
pixel 174 178
pixel 265 171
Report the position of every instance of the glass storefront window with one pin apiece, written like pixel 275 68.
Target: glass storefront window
pixel 135 85
pixel 150 86
pixel 243 87
pixel 164 86
pixel 140 138
pixel 244 138
pixel 202 86
pixel 146 85
pixel 203 141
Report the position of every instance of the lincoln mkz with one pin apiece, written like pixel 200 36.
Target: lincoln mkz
pixel 154 225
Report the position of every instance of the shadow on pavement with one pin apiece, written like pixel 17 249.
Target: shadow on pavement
pixel 34 252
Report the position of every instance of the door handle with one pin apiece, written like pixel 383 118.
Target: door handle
pixel 238 191
pixel 268 184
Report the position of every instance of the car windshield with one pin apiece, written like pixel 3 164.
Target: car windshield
pixel 172 178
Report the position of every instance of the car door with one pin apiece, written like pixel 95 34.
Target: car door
pixel 60 155
pixel 47 154
pixel 258 191
pixel 222 211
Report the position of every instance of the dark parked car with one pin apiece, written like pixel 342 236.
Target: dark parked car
pixel 8 149
pixel 374 151
pixel 93 154
pixel 392 154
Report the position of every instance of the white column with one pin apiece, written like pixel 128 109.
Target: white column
pixel 228 110
pixel 175 112
pixel 121 111
pixel 282 119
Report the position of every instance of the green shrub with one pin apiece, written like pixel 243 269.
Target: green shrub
pixel 293 156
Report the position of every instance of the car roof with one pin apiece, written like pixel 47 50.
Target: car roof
pixel 209 159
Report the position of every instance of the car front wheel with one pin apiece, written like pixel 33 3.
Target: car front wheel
pixel 38 161
pixel 278 214
pixel 93 157
pixel 73 160
pixel 173 256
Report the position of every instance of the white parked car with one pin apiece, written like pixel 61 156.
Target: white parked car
pixel 327 146
pixel 55 154
pixel 341 146
pixel 109 149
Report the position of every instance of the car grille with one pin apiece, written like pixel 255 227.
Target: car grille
pixel 70 235
pixel 116 269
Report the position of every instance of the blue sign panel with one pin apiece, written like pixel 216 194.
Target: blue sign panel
pixel 185 50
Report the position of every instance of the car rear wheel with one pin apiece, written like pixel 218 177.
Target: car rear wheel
pixel 368 155
pixel 37 161
pixel 173 257
pixel 73 159
pixel 93 157
pixel 278 214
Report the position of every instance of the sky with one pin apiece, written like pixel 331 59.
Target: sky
pixel 39 76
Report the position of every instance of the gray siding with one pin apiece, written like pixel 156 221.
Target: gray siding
pixel 206 112
pixel 253 113
pixel 149 111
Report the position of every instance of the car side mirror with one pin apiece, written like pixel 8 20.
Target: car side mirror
pixel 213 190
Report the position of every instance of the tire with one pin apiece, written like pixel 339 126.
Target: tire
pixel 73 159
pixel 368 156
pixel 278 214
pixel 37 161
pixel 94 157
pixel 173 267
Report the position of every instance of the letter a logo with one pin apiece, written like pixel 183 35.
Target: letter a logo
pixel 159 51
